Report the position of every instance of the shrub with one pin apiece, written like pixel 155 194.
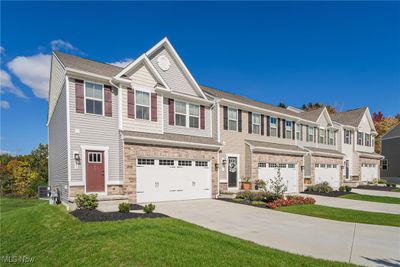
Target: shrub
pixel 84 201
pixel 123 207
pixel 244 194
pixel 260 184
pixel 149 208
pixel 257 196
pixel 321 188
pixel 348 188
pixel 257 203
pixel 277 186
pixel 380 181
pixel 342 188
pixel 291 200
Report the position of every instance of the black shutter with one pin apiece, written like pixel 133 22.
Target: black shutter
pixel 239 120
pixel 250 122
pixel 294 130
pixel 225 118
pixel 307 138
pixel 315 134
pixel 268 126
pixel 301 132
pixel 279 127
pixel 283 128
pixel 262 124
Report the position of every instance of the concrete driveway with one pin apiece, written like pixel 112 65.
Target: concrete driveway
pixel 363 244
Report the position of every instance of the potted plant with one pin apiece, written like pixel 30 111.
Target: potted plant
pixel 246 184
pixel 260 184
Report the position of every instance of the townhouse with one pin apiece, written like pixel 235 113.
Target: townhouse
pixel 148 132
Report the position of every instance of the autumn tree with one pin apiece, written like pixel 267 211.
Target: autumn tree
pixel 382 125
pixel 313 106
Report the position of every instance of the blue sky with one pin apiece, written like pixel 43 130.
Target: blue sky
pixel 342 54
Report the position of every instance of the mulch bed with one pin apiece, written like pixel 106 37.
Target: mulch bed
pixel 86 215
pixel 331 194
pixel 375 187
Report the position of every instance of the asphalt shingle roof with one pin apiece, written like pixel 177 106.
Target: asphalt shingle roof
pixel 324 150
pixel 275 146
pixel 351 117
pixel 393 132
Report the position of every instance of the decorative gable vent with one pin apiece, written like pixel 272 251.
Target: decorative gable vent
pixel 163 63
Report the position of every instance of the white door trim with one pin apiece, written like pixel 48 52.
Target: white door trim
pixel 83 163
pixel 238 170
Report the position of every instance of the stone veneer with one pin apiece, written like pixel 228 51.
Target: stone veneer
pixel 326 160
pixel 111 190
pixel 74 190
pixel 368 161
pixel 133 151
pixel 257 157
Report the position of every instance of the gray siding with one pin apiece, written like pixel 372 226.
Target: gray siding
pixel 95 130
pixel 58 146
pixel 174 76
pixel 57 80
pixel 391 151
pixel 186 130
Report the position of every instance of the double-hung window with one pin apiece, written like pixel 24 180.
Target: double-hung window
pixel 331 138
pixel 273 126
pixel 180 113
pixel 367 139
pixel 298 131
pixel 94 98
pixel 310 134
pixel 321 136
pixel 194 116
pixel 347 136
pixel 142 105
pixel 256 123
pixel 288 127
pixel 360 136
pixel 232 119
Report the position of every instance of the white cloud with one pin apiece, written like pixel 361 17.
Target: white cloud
pixel 7 85
pixel 122 63
pixel 62 45
pixel 4 104
pixel 2 50
pixel 33 71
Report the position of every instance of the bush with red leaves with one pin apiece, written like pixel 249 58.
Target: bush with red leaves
pixel 289 201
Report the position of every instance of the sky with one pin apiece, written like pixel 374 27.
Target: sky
pixel 345 54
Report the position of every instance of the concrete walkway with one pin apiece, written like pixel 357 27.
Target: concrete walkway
pixel 370 245
pixel 338 202
pixel 376 193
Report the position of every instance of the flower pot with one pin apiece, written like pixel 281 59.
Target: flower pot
pixel 246 186
pixel 256 187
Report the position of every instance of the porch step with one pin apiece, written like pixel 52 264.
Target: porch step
pixel 227 195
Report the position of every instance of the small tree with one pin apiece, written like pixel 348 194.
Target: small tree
pixel 277 185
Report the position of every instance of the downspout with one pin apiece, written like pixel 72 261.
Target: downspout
pixel 218 187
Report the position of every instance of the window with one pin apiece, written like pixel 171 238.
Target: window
pixel 145 161
pixel 262 165
pixel 180 113
pixel 194 114
pixel 316 165
pixel 384 164
pixel 272 165
pixel 334 166
pixel 273 126
pixel 256 123
pixel 282 165
pixel 94 98
pixel 310 134
pixel 166 162
pixel 329 165
pixel 321 136
pixel 233 119
pixel 360 136
pixel 298 131
pixel 142 105
pixel 201 163
pixel 290 166
pixel 367 139
pixel 331 137
pixel 347 136
pixel 184 163
pixel 95 157
pixel 288 127
pixel 322 165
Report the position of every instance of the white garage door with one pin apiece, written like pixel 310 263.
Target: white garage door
pixel 327 173
pixel 168 179
pixel 369 172
pixel 268 171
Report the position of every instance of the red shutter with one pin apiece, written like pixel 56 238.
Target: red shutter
pixel 131 103
pixel 171 111
pixel 202 117
pixel 79 96
pixel 108 100
pixel 153 106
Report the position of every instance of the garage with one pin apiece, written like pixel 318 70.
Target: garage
pixel 327 173
pixel 289 173
pixel 171 179
pixel 369 172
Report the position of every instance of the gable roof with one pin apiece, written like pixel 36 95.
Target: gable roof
pixel 351 117
pixel 312 115
pixel 392 133
pixel 88 65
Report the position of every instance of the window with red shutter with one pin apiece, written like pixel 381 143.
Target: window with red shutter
pixel 202 117
pixel 108 100
pixel 171 111
pixel 153 106
pixel 79 97
pixel 131 103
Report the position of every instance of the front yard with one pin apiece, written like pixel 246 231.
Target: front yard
pixel 32 228
pixel 380 199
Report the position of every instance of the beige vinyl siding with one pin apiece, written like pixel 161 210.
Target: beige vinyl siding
pixel 307 166
pixel 95 130
pixel 142 76
pixel 174 76
pixel 58 146
pixel 215 122
pixel 206 132
pixel 365 128
pixel 57 79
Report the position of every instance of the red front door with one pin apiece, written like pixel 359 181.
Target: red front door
pixel 94 171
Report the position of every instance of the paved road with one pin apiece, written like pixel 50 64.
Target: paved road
pixel 376 193
pixel 370 245
pixel 338 202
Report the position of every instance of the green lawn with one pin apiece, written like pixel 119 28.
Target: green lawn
pixel 345 215
pixel 381 199
pixel 32 228
pixel 396 190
